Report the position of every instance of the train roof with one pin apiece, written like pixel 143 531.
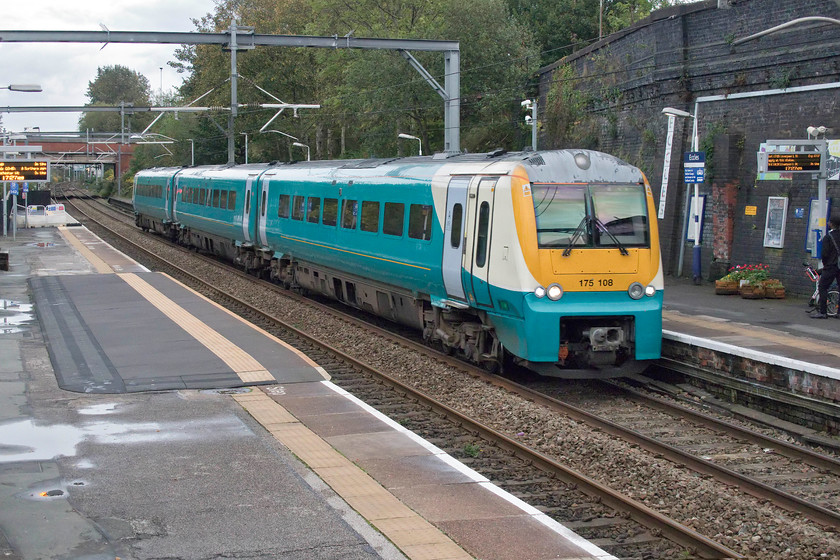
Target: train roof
pixel 575 164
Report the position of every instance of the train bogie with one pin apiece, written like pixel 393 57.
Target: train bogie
pixel 549 258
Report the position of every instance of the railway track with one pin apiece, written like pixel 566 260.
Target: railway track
pixel 532 487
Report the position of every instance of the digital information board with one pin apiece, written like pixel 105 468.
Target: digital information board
pixel 809 162
pixel 33 171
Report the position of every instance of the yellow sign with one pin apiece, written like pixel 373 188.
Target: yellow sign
pixel 24 170
pixel 750 210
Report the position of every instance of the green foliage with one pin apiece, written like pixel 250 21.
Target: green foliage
pixel 114 85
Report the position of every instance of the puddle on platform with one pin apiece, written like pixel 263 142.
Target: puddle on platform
pixel 14 315
pixel 24 440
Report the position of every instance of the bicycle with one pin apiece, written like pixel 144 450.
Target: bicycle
pixel 814 302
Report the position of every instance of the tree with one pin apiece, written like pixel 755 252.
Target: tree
pixel 113 85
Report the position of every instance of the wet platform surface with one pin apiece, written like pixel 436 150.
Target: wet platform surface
pixel 113 333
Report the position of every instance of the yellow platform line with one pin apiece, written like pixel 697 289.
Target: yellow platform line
pixel 100 265
pixel 414 536
pixel 243 364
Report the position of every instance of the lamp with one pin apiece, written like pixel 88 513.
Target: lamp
pixel 410 137
pixel 299 145
pixel 31 88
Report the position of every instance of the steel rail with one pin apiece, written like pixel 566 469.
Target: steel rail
pixel 671 529
pixel 783 447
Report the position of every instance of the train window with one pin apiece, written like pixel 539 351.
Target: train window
pixel 313 209
pixel 420 221
pixel 330 217
pixel 297 207
pixel 264 203
pixel 394 219
pixel 349 214
pixel 481 237
pixel 621 214
pixel 457 222
pixel 283 207
pixel 370 216
pixel 194 195
pixel 231 200
pixel 223 199
pixel 202 196
pixel 561 216
pixel 215 198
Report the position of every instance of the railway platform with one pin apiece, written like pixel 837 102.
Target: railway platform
pixel 224 443
pixel 767 348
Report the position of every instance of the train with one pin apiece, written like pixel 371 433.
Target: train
pixel 545 259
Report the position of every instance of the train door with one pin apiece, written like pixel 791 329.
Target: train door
pixel 263 209
pixel 453 243
pixel 176 196
pixel 247 234
pixel 167 199
pixel 478 247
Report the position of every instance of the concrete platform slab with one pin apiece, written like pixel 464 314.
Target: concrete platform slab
pixel 105 336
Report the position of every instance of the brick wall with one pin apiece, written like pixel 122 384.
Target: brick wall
pixel 685 54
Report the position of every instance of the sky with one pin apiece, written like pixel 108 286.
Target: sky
pixel 64 70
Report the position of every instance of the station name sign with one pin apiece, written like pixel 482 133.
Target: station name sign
pixel 794 161
pixel 25 170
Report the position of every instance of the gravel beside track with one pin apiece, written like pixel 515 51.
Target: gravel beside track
pixel 736 520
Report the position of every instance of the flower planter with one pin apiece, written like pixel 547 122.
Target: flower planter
pixel 774 293
pixel 726 287
pixel 752 291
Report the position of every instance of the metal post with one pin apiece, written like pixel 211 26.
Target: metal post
pixel 452 114
pixel 192 152
pixel 233 100
pixel 696 262
pixel 5 218
pixel 534 125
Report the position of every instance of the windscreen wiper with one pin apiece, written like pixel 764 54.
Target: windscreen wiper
pixel 600 225
pixel 578 232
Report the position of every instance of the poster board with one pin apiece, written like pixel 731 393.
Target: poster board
pixel 774 224
pixel 689 231
pixel 814 222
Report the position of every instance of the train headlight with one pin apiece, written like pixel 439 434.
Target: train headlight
pixel 650 291
pixel 554 292
pixel 636 290
pixel 539 292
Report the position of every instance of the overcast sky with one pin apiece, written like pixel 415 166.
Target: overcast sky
pixel 64 70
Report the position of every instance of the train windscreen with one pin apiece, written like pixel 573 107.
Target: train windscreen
pixel 591 215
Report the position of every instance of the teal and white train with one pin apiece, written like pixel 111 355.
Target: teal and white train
pixel 550 259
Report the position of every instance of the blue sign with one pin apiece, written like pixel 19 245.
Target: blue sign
pixel 695 157
pixel 25 187
pixel 13 188
pixel 694 166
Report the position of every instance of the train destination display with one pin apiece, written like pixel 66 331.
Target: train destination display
pixel 24 170
pixel 794 161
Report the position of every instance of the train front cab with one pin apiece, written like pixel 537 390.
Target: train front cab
pixel 594 253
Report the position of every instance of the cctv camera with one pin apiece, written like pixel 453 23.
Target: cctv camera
pixel 528 119
pixel 526 103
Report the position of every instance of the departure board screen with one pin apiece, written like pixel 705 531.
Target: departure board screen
pixel 24 170
pixel 794 161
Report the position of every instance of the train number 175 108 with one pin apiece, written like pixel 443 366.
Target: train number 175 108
pixel 592 282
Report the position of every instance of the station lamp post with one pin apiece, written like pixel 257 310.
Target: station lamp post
pixel 30 88
pixel 695 216
pixel 410 137
pixel 299 145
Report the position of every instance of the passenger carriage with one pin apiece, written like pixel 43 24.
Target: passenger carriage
pixel 549 258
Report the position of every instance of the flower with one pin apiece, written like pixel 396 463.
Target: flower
pixel 751 273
